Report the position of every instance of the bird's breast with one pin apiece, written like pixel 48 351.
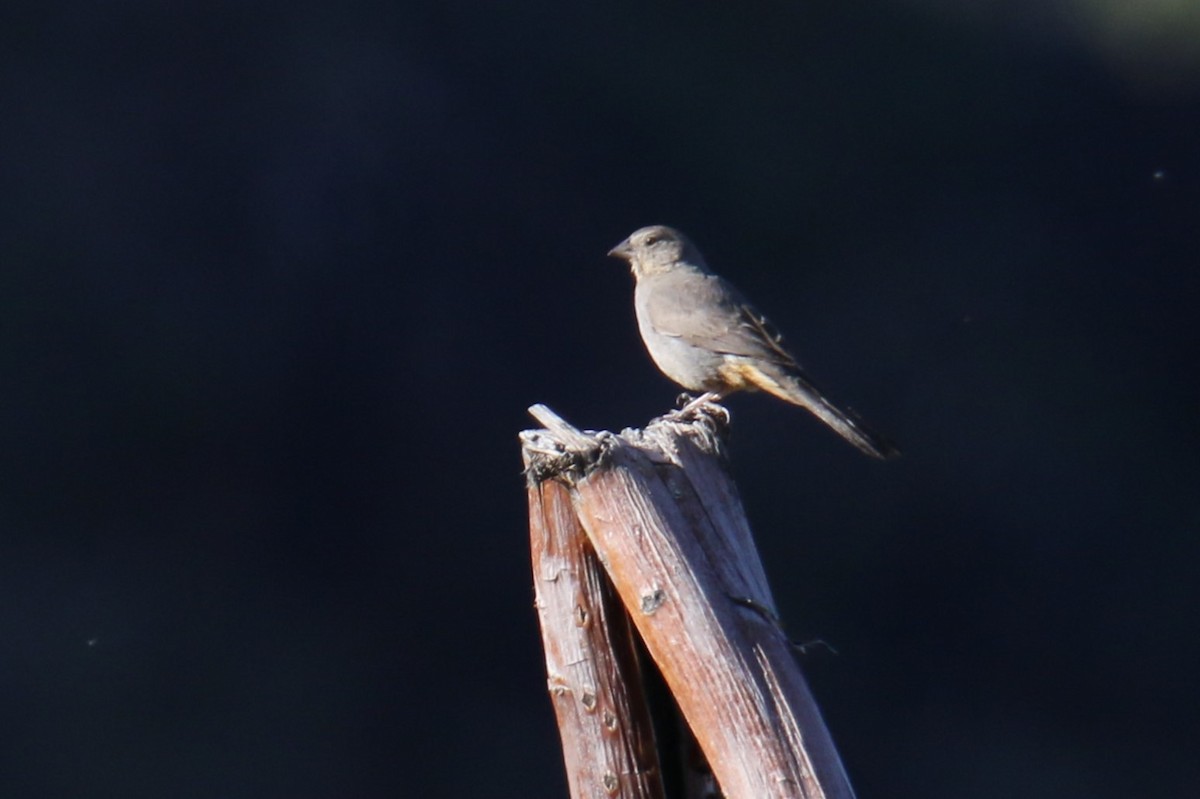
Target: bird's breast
pixel 693 367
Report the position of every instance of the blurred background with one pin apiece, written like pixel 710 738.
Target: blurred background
pixel 278 281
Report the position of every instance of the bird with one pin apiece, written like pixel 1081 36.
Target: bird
pixel 705 335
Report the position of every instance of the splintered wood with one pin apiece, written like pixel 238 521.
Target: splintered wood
pixel 652 518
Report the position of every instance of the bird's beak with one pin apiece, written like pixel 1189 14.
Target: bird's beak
pixel 624 251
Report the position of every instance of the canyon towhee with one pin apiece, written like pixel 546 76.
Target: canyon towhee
pixel 706 336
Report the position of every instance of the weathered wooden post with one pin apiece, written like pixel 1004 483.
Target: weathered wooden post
pixel 660 513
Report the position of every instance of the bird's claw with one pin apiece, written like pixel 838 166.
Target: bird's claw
pixel 691 407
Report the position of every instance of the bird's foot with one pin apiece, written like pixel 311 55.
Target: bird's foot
pixel 684 399
pixel 690 406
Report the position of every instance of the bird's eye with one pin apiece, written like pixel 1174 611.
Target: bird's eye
pixel 653 239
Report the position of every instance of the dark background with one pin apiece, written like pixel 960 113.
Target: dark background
pixel 277 282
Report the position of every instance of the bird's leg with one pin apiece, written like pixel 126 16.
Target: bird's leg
pixel 691 405
pixel 683 399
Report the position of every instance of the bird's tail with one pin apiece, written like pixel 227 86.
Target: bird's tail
pixel 798 391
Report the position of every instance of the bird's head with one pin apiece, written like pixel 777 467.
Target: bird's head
pixel 656 249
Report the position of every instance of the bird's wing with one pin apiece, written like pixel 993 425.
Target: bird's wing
pixel 709 312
